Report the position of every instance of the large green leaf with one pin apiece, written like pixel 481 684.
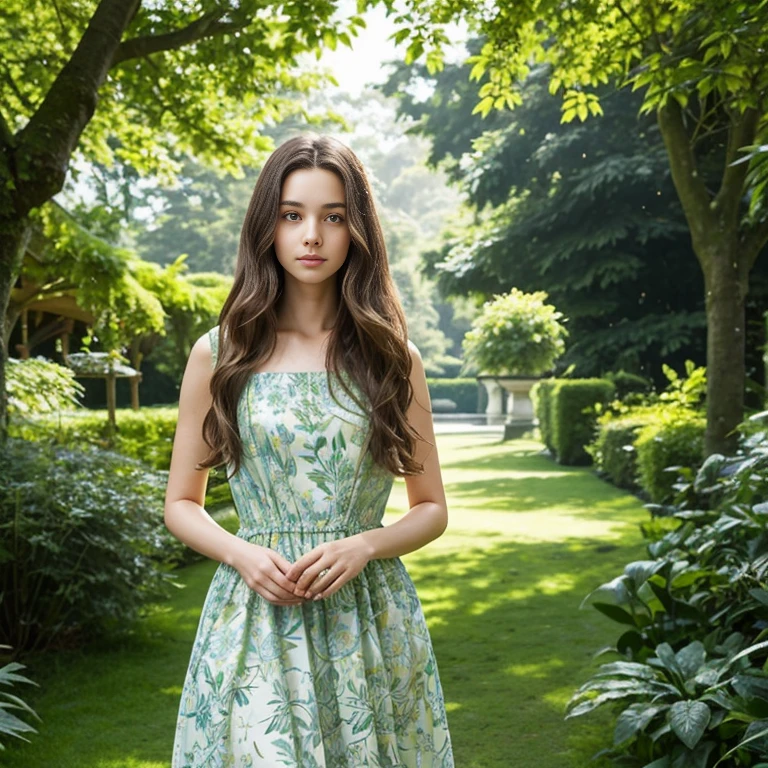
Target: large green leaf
pixel 616 613
pixel 688 720
pixel 690 658
pixel 633 720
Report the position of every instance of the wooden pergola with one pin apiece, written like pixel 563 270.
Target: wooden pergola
pixel 100 365
pixel 55 310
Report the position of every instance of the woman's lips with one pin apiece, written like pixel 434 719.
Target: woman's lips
pixel 312 262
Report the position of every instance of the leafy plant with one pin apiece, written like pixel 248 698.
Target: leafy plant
pixel 10 724
pixel 689 390
pixel 685 702
pixel 515 334
pixel 82 543
pixel 39 386
pixel 691 681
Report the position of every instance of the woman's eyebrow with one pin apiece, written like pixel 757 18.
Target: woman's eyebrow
pixel 296 204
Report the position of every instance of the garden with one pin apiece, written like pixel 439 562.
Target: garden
pixel 574 210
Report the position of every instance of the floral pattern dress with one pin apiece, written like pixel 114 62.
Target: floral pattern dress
pixel 343 682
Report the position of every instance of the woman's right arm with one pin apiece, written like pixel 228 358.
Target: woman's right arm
pixel 185 515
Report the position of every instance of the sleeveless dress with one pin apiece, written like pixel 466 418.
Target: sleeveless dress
pixel 343 682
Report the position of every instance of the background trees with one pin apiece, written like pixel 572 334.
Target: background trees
pixel 586 211
pixel 700 69
pixel 160 81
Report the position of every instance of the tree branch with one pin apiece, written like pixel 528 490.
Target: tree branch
pixel 685 173
pixel 753 241
pixel 6 136
pixel 58 16
pixel 206 26
pixel 46 143
pixel 642 37
pixel 742 131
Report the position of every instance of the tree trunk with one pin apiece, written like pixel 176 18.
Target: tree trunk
pixel 726 251
pixel 35 160
pixel 14 237
pixel 726 285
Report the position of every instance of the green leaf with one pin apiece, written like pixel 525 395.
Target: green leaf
pixel 742 744
pixel 667 657
pixel 751 685
pixel 690 658
pixel 747 652
pixel 631 640
pixel 616 613
pixel 627 668
pixel 688 720
pixel 632 720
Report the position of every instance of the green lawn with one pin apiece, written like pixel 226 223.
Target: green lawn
pixel 527 540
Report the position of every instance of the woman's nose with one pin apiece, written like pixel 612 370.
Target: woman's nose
pixel 312 232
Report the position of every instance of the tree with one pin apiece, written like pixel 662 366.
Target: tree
pixel 165 80
pixel 700 67
pixel 584 211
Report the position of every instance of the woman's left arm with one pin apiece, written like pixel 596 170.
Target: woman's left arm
pixel 427 517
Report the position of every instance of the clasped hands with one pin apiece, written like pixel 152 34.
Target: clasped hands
pixel 315 575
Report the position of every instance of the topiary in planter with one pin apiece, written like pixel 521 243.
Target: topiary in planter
pixel 516 334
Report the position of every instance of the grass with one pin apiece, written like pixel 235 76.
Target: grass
pixel 527 540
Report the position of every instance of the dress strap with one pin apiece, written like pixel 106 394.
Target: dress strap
pixel 213 336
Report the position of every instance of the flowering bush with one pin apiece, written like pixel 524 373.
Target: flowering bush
pixel 515 334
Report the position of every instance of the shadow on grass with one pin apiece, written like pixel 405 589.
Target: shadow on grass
pixel 512 645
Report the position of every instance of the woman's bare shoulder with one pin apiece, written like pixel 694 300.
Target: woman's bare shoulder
pixel 201 355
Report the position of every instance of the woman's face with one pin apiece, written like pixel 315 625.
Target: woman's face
pixel 312 220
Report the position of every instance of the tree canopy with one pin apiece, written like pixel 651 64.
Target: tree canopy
pixel 700 68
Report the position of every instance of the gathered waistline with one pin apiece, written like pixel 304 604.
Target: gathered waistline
pixel 250 530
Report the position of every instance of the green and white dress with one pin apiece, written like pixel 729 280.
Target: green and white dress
pixel 343 682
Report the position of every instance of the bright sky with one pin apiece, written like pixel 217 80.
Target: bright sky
pixel 361 65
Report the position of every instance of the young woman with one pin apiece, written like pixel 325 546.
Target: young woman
pixel 312 650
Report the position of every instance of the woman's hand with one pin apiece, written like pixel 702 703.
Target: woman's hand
pixel 264 571
pixel 343 559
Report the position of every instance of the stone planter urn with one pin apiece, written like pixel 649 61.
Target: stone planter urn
pixel 519 417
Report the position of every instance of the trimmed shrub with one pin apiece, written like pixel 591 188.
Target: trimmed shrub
pixel 146 434
pixel 613 451
pixel 463 392
pixel 517 334
pixel 541 397
pixel 675 439
pixel 573 416
pixel 627 383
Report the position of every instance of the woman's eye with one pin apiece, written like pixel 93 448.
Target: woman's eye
pixel 293 213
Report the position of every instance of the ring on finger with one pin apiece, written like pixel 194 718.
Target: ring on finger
pixel 311 591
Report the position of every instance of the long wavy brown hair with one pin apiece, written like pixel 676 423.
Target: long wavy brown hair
pixel 369 338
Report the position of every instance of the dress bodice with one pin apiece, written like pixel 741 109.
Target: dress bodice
pixel 302 465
